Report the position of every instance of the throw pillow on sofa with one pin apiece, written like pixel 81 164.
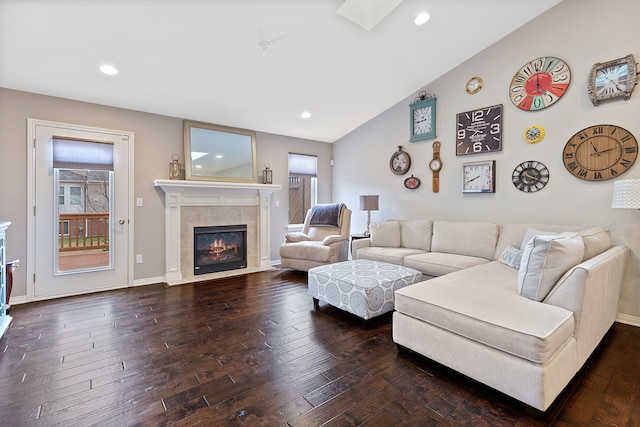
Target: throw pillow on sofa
pixel 531 233
pixel 512 257
pixel 596 240
pixel 385 234
pixel 544 260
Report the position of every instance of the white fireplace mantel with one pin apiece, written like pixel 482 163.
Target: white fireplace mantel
pixel 181 193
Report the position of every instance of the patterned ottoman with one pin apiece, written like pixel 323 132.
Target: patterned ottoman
pixel 361 287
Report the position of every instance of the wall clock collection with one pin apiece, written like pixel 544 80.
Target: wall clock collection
pixel 596 153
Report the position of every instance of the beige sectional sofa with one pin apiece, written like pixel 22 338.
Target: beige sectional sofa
pixel 518 307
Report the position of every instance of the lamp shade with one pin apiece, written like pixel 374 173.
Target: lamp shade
pixel 369 203
pixel 626 194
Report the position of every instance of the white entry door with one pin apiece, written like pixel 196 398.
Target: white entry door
pixel 80 236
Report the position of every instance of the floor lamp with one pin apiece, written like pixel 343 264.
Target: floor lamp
pixel 368 203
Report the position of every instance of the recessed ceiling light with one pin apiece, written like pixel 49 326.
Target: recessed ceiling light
pixel 305 115
pixel 218 156
pixel 421 18
pixel 109 70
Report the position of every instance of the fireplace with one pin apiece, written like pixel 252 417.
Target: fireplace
pixel 219 248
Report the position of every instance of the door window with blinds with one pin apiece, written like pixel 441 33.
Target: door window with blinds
pixel 303 171
pixel 83 178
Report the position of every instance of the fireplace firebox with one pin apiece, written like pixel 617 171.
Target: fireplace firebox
pixel 219 248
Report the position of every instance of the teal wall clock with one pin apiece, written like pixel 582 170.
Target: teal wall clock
pixel 423 119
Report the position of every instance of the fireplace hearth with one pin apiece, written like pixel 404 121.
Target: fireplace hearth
pixel 219 248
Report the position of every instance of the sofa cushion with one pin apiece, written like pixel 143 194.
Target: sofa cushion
pixel 317 233
pixel 596 240
pixel 476 239
pixel 481 304
pixel 390 255
pixel 440 263
pixel 385 234
pixel 512 234
pixel 544 260
pixel 512 257
pixel 416 234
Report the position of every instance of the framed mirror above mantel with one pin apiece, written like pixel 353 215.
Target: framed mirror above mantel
pixel 219 153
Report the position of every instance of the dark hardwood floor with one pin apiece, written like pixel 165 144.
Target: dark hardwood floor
pixel 251 351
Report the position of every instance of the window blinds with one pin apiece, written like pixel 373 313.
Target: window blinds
pixel 80 154
pixel 303 165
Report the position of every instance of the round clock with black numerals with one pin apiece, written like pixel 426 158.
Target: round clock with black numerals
pixel 540 83
pixel 530 176
pixel 600 152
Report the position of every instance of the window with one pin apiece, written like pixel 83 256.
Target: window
pixel 75 195
pixel 61 195
pixel 302 185
pixel 63 227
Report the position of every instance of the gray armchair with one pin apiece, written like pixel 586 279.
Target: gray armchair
pixel 324 238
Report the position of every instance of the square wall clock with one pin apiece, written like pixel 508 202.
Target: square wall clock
pixel 479 131
pixel 479 177
pixel 423 119
pixel 612 79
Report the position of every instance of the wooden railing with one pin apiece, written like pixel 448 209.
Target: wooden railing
pixel 84 231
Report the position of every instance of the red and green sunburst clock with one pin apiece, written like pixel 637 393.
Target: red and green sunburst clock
pixel 540 83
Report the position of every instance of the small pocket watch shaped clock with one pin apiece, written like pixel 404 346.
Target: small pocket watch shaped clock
pixel 400 162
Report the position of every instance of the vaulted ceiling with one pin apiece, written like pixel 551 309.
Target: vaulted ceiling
pixel 254 64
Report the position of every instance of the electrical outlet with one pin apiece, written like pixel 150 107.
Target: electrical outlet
pixel 139 201
pixel 139 259
pixel 277 203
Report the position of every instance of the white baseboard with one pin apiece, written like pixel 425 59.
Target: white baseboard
pixel 148 281
pixel 628 320
pixel 18 300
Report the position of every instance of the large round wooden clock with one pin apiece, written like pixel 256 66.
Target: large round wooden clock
pixel 540 83
pixel 600 152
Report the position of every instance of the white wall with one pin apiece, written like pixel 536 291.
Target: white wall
pixel 575 30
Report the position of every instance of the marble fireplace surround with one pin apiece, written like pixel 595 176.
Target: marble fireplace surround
pixel 201 203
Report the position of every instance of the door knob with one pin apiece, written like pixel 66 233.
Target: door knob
pixel 121 221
